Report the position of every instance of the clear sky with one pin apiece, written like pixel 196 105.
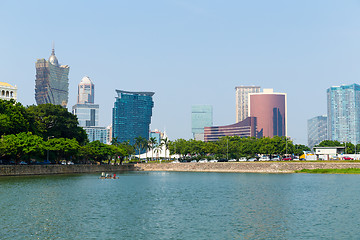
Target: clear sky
pixel 188 52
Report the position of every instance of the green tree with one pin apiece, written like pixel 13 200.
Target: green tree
pixel 140 144
pixel 152 144
pixel 166 143
pixel 63 147
pixel 21 146
pixel 55 121
pixel 14 118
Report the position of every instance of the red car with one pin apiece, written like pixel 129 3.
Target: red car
pixel 287 158
pixel 348 158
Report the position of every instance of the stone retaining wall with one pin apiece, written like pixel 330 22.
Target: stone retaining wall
pixel 252 167
pixel 17 170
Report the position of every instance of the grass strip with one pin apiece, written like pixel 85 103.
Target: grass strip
pixel 332 171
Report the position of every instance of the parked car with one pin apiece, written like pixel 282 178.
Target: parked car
pixel 252 159
pixel 335 158
pixel 347 158
pixel 264 158
pixel 23 163
pixel 275 158
pixel 223 160
pixel 176 161
pixel 243 159
pixel 193 161
pixel 232 160
pixel 287 158
pixel 213 160
pixel 203 161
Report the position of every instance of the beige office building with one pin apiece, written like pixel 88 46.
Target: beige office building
pixel 242 101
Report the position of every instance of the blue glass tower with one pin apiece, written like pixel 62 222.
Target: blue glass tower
pixel 132 115
pixel 201 116
pixel 344 113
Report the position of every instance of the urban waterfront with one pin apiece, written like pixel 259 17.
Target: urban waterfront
pixel 180 205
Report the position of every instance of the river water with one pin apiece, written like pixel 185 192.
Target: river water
pixel 180 205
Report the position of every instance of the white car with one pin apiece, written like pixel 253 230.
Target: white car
pixel 252 159
pixel 193 161
pixel 176 161
pixel 275 159
pixel 264 158
pixel 243 159
pixel 232 160
pixel 203 161
pixel 213 160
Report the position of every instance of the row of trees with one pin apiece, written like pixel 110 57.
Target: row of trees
pixel 49 132
pixel 27 147
pixel 236 147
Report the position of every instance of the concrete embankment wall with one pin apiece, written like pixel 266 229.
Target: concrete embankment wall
pixel 252 167
pixel 17 170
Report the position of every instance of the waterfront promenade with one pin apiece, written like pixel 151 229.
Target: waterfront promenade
pixel 241 167
pixel 19 170
pixel 250 167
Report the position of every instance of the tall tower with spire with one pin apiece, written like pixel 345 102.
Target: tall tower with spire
pixel 52 81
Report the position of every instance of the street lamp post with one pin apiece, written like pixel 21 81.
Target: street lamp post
pixel 227 148
pixel 47 154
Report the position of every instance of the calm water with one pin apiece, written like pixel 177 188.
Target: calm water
pixel 174 205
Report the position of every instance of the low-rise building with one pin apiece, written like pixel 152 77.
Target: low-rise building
pixel 8 91
pixel 245 128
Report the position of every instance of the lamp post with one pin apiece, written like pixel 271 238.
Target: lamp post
pixel 227 148
pixel 47 154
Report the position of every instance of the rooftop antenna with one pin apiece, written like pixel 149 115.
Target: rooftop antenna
pixel 53 48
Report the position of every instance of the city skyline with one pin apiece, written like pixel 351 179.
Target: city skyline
pixel 189 53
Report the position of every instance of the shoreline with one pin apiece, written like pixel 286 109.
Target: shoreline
pixel 244 167
pixel 220 167
pixel 27 170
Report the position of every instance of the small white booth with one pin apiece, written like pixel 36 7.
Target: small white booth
pixel 326 153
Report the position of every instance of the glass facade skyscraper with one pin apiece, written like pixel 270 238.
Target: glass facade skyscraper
pixel 132 115
pixel 343 103
pixel 317 130
pixel 201 116
pixel 52 82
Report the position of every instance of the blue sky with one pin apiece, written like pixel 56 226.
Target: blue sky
pixel 188 52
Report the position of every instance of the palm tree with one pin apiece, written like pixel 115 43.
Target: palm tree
pixel 158 149
pixel 152 145
pixel 166 143
pixel 146 147
pixel 139 144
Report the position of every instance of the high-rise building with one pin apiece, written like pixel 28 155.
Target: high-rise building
pixel 97 134
pixel 86 91
pixel 132 115
pixel 7 91
pixel 343 103
pixel 317 130
pixel 242 101
pixel 157 135
pixel 269 108
pixel 52 82
pixel 201 116
pixel 86 111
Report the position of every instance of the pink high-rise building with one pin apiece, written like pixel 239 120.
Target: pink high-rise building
pixel 269 108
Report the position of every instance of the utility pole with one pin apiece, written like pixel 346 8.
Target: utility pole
pixel 227 148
